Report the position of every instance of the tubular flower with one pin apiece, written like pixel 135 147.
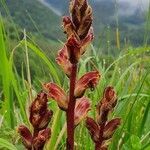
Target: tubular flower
pixel 26 136
pixel 81 109
pixel 40 117
pixel 57 93
pixel 110 127
pixel 89 80
pixel 63 60
pixel 93 128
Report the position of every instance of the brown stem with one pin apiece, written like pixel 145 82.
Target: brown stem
pixel 70 111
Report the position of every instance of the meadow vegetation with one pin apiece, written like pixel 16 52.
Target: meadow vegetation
pixel 27 60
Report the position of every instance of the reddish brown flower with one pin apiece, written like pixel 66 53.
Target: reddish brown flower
pixel 111 127
pixel 57 93
pixel 73 47
pixel 26 136
pixel 81 109
pixel 93 128
pixel 42 137
pixel 63 60
pixel 89 80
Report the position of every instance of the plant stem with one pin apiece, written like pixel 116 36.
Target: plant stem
pixel 70 111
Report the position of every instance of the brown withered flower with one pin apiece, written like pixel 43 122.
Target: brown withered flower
pixel 40 117
pixel 102 130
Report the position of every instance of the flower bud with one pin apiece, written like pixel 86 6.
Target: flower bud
pixel 111 127
pixel 93 128
pixel 81 109
pixel 89 80
pixel 26 136
pixel 63 60
pixel 42 137
pixel 57 93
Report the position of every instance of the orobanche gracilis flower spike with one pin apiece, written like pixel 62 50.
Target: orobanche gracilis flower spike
pixel 79 33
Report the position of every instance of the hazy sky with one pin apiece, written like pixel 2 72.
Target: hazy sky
pixel 142 3
pixel 137 2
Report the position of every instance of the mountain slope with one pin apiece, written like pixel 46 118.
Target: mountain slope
pixel 33 16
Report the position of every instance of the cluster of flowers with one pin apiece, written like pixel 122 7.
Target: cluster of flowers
pixel 79 33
